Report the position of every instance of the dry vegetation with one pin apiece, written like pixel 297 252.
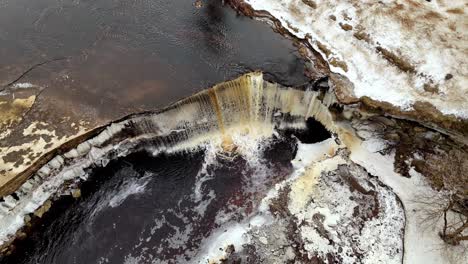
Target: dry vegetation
pixel 448 173
pixel 444 163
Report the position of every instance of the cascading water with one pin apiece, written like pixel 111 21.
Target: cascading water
pixel 224 115
pixel 144 209
pixel 194 182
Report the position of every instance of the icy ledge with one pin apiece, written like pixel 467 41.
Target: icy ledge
pixel 399 52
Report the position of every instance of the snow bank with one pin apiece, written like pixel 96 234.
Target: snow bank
pixel 393 51
pixel 422 243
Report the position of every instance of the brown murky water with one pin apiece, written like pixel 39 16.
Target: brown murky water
pixel 105 59
pixel 118 57
pixel 144 209
pixel 108 58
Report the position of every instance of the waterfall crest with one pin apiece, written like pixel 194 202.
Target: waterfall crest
pixel 248 105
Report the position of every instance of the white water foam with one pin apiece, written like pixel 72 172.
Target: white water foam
pixel 133 187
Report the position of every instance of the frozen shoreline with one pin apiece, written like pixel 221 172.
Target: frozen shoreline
pixel 386 59
pixel 422 242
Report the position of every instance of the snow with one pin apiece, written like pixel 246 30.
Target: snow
pixel 379 241
pixel 314 190
pixel 23 85
pixel 235 235
pixel 429 37
pixel 17 86
pixel 309 153
pixel 422 244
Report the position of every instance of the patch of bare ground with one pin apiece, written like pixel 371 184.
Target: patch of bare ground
pixel 458 11
pixel 398 61
pixel 346 27
pixel 310 3
pixel 339 64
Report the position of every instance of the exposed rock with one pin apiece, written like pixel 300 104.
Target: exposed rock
pixel 345 217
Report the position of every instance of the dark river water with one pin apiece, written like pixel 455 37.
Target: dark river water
pixel 141 209
pixel 120 56
pixel 115 57
pixel 161 209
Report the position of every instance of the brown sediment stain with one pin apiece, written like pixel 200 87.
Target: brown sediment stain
pixel 293 28
pixel 310 3
pixel 346 17
pixel 399 11
pixel 339 64
pixel 406 21
pixel 12 110
pixel 432 88
pixel 346 27
pixel 457 11
pixel 414 4
pixel 294 9
pixel 453 26
pixel 410 14
pixel 324 49
pixel 227 143
pixel 398 7
pixel 396 60
pixel 362 35
pixel 304 186
pixel 349 138
pixel 431 15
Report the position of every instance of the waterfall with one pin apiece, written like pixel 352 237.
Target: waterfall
pixel 248 105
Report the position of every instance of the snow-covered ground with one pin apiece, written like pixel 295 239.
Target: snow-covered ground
pixel 328 209
pixel 422 242
pixel 400 52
